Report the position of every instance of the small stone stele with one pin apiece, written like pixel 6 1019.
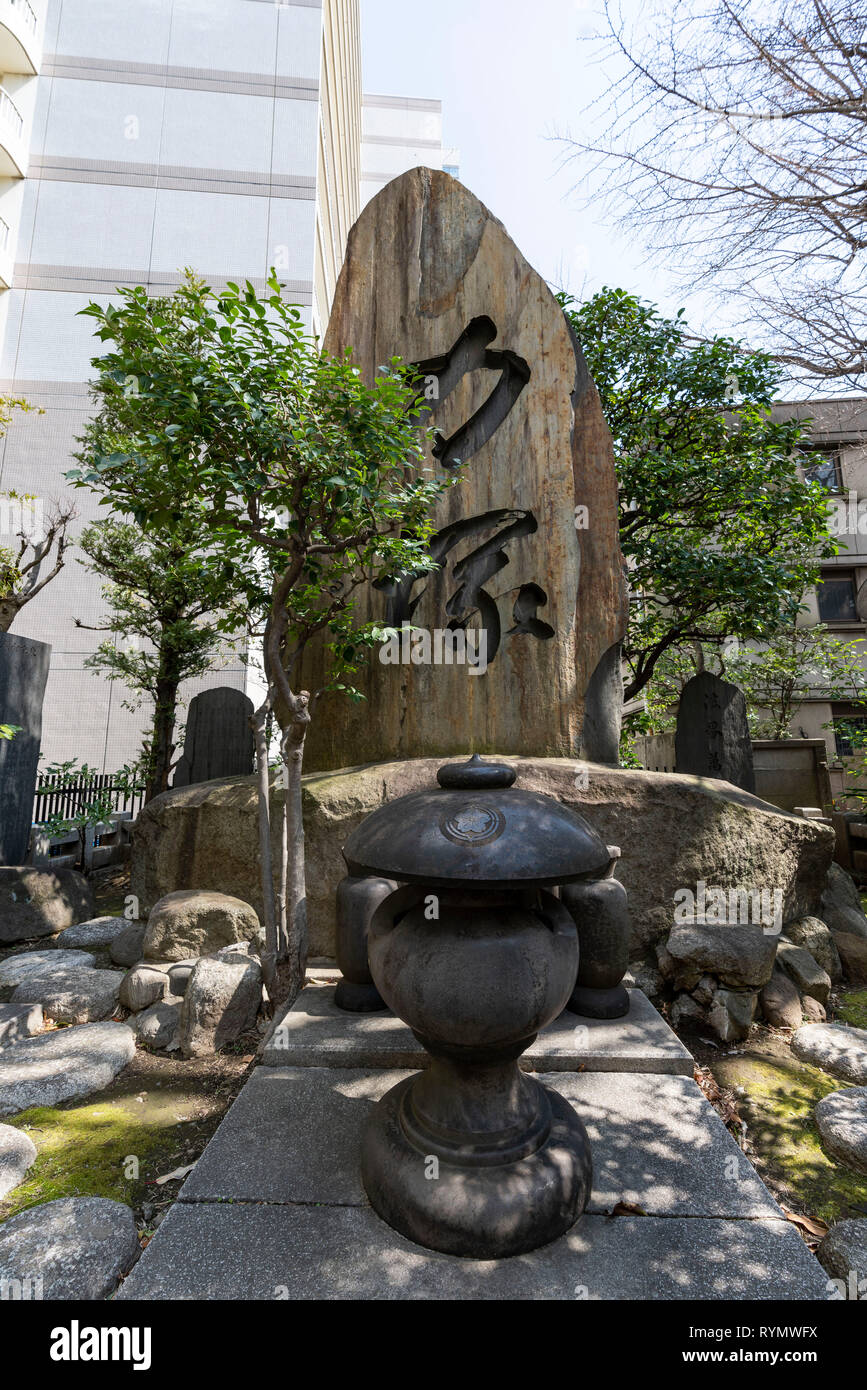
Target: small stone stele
pixel 713 735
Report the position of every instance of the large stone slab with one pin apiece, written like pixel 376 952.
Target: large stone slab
pixel 62 1065
pixel 657 1143
pixel 510 395
pixel 837 1048
pixel 673 830
pixel 74 1248
pixel 314 1032
pixel 50 963
pixel 274 1209
pixel 40 902
pixel 24 666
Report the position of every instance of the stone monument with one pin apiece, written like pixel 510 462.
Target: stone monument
pixel 23 674
pixel 527 542
pixel 713 736
pixel 219 740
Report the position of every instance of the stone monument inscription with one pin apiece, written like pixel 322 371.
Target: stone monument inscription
pixel 431 276
pixel 713 736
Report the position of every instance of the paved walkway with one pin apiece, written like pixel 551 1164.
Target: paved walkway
pixel 275 1206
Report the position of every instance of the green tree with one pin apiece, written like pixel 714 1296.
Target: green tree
pixel 720 535
pixel 302 468
pixel 779 676
pixel 169 607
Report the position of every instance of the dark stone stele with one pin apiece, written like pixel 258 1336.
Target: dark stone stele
pixel 218 740
pixel 23 673
pixel 472 1156
pixel 713 736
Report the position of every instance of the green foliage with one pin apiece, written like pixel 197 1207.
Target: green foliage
pixel 8 731
pixel 719 533
pixel 97 803
pixel 779 676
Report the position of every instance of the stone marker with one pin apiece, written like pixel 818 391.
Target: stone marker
pixel 218 741
pixel 17 1153
pixel 509 393
pixel 74 1248
pixel 713 736
pixel 23 672
pixel 842 1121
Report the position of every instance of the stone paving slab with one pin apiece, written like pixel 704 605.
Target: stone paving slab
pixel 314 1032
pixel 253 1251
pixel 657 1143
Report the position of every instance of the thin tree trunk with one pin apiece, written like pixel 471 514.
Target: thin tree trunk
pixel 270 955
pixel 162 739
pixel 9 611
pixel 291 967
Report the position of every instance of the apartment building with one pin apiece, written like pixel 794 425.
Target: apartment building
pixel 138 137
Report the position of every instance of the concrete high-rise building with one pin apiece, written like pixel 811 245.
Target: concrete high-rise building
pixel 399 133
pixel 138 137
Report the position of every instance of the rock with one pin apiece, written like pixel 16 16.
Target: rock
pixel 142 986
pixel 816 938
pixel 18 968
pixel 19 1021
pixel 837 1048
pixel 686 1013
pixel 197 923
pixel 100 931
pixel 127 948
pixel 781 1002
pixel 179 976
pixel 641 975
pixel 62 1065
pixel 800 966
pixel 221 1003
pixel 159 1026
pixel 17 1153
pixel 40 902
pixel 843 1252
pixel 841 908
pixel 673 829
pixel 73 996
pixel 736 955
pixel 74 1248
pixel 814 1012
pixel 705 990
pixel 853 955
pixel 458 297
pixel 842 1121
pixel 731 1013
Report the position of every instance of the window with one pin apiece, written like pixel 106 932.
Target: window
pixel 836 595
pixel 823 469
pixel 850 728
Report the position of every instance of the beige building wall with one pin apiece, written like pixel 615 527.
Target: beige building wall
pixel 338 171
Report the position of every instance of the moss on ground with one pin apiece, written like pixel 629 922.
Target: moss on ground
pixel 852 1008
pixel 777 1096
pixel 157 1116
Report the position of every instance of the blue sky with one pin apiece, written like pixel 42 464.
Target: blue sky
pixel 511 77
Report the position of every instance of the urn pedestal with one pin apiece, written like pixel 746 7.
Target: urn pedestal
pixel 600 911
pixel 358 897
pixel 472 1156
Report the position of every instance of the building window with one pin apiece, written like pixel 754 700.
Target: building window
pixel 824 469
pixel 850 728
pixel 836 594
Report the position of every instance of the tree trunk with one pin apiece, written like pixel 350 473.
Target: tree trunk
pixel 9 610
pixel 274 945
pixel 292 961
pixel 163 737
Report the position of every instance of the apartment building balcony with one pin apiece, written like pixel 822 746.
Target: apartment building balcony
pixel 13 149
pixel 20 38
pixel 5 255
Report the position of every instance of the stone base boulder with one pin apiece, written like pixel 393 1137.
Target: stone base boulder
pixel 198 922
pixel 221 1002
pixel 837 1048
pixel 674 830
pixel 853 954
pixel 40 902
pixel 90 936
pixel 780 1002
pixel 62 1065
pixel 159 1025
pixel 813 935
pixel 128 946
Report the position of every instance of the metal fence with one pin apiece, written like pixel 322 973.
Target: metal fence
pixel 54 798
